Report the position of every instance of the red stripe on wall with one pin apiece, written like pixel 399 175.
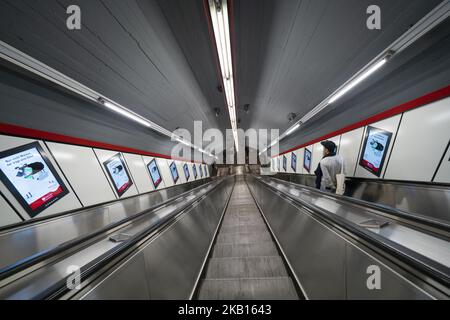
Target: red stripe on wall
pixel 416 103
pixel 13 130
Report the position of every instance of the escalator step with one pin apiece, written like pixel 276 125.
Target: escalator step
pixel 280 288
pixel 246 267
pixel 245 250
pixel 244 228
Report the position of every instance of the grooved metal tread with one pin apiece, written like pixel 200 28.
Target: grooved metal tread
pixel 245 263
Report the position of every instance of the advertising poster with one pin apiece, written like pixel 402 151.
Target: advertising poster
pixel 118 173
pixel 174 172
pixel 375 147
pixel 186 171
pixel 155 175
pixel 31 178
pixel 307 160
pixel 284 163
pixel 294 162
pixel 201 171
pixel 194 169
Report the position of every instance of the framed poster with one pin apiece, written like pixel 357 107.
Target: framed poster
pixel 200 168
pixel 118 174
pixel 307 159
pixel 29 175
pixel 174 171
pixel 194 170
pixel 155 174
pixel 294 161
pixel 186 171
pixel 375 147
pixel 278 165
pixel 285 163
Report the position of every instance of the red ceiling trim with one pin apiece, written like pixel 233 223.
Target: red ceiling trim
pixel 17 131
pixel 413 104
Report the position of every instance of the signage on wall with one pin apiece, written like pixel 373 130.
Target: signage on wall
pixel 155 175
pixel 118 174
pixel 186 171
pixel 307 159
pixel 174 172
pixel 294 162
pixel 284 163
pixel 375 147
pixel 30 176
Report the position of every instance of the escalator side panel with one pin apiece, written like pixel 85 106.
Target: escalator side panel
pixel 174 258
pixel 125 283
pixel 327 265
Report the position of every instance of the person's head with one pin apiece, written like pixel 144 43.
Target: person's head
pixel 329 148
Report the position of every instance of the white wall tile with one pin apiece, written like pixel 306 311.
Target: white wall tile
pixel 139 171
pixel 85 174
pixel 421 141
pixel 349 149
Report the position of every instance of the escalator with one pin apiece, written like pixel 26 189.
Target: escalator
pixel 245 263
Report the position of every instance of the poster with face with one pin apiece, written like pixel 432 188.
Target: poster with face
pixel 155 175
pixel 294 162
pixel 118 173
pixel 307 160
pixel 174 172
pixel 31 178
pixel 186 171
pixel 375 147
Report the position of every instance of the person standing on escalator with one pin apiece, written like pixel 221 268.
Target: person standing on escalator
pixel 329 167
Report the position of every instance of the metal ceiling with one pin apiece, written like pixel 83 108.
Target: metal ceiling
pixel 156 57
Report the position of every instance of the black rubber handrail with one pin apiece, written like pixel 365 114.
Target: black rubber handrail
pixel 49 253
pixel 38 220
pixel 379 207
pixel 429 267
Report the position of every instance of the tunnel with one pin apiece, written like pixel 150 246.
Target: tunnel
pixel 215 150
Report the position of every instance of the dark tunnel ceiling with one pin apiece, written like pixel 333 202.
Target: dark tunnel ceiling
pixel 157 58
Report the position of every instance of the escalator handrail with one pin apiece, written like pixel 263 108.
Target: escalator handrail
pixel 429 267
pixel 49 253
pixel 60 287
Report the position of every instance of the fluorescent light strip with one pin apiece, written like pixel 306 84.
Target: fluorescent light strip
pixel 36 67
pixel 220 22
pixel 42 70
pixel 436 16
pixel 293 129
pixel 358 80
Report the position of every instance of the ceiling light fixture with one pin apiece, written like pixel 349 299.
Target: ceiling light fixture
pixel 219 17
pixel 44 71
pixel 358 80
pixel 293 129
pixel 436 16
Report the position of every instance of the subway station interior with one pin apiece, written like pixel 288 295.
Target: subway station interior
pixel 224 149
